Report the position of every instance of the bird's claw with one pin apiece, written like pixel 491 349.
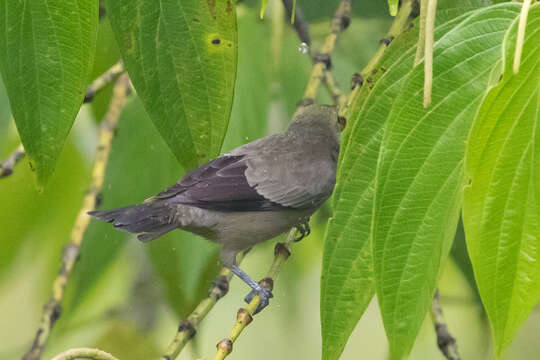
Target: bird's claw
pixel 303 228
pixel 264 295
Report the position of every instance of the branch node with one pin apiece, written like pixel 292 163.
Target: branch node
pixel 243 316
pixel 268 282
pixel 281 250
pixel 357 80
pixel 345 22
pixel 54 308
pixel 324 59
pixel 221 287
pixel 225 345
pixel 386 41
pixel 188 327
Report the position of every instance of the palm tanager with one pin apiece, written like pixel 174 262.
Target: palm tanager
pixel 250 195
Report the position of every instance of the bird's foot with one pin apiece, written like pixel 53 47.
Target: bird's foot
pixel 303 228
pixel 263 292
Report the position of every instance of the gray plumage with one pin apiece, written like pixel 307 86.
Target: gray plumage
pixel 252 194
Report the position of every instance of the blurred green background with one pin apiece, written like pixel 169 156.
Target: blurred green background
pixel 126 297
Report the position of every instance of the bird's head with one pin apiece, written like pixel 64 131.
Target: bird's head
pixel 320 115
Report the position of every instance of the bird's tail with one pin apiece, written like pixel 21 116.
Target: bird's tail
pixel 148 220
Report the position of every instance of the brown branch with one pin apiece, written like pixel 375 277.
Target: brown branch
pixel 103 80
pixel 6 168
pixel 338 96
pixel 323 60
pixel 244 316
pixel 398 26
pixel 446 342
pixel 52 309
pixel 302 30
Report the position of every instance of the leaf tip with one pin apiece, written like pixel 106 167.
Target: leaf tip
pixel 393 9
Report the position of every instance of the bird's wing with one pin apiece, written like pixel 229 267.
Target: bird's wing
pixel 221 185
pixel 291 170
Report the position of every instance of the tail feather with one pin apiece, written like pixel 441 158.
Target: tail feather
pixel 149 220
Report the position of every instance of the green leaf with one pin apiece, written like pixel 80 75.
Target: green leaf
pixel 501 203
pixel 450 9
pixel 264 5
pixel 393 6
pixel 181 57
pixel 5 114
pixel 347 281
pixel 46 54
pixel 420 172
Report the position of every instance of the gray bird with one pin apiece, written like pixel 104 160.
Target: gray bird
pixel 250 195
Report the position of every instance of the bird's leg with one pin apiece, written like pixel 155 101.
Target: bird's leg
pixel 303 228
pixel 264 294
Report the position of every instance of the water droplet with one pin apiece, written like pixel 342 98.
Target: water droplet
pixel 303 48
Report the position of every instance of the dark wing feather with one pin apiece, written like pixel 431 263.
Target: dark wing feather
pixel 294 170
pixel 219 185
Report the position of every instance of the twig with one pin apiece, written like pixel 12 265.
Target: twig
pixel 302 30
pixel 521 34
pixel 52 309
pixel 399 24
pixel 338 96
pixel 188 327
pixel 6 168
pixel 446 342
pixel 84 353
pixel 245 315
pixel 323 60
pixel 300 23
pixel 103 80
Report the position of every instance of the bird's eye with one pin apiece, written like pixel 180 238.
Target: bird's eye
pixel 342 122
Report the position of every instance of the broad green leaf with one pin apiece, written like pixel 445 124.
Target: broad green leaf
pixel 181 57
pixel 347 283
pixel 450 9
pixel 46 55
pixel 420 173
pixel 500 210
pixel 5 113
